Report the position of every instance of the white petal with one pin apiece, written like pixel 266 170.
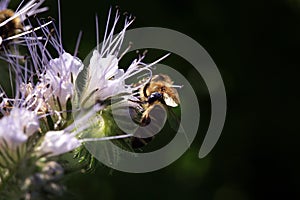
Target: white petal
pixel 17 127
pixel 11 134
pixel 58 142
pixel 65 65
pixel 61 74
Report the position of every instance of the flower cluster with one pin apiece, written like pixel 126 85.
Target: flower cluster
pixel 57 100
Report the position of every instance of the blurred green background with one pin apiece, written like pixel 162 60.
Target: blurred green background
pixel 256 46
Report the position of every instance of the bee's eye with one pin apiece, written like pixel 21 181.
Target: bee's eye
pixel 154 97
pixel 163 89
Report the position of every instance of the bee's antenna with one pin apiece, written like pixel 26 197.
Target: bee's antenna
pixel 176 86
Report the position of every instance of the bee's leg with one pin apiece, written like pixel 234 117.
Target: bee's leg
pixel 137 101
pixel 140 142
pixel 135 114
pixel 145 89
pixel 145 120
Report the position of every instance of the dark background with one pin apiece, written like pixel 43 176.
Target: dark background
pixel 256 47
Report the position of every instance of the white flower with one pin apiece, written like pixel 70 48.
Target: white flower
pixel 61 74
pixel 65 66
pixel 10 134
pixel 17 127
pixel 104 75
pixel 58 142
pixel 34 96
pixel 103 78
pixel 26 119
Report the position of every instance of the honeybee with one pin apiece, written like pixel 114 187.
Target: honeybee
pixel 12 27
pixel 159 91
pixel 12 22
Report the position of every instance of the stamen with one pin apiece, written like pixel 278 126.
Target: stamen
pixel 126 50
pixel 26 32
pixel 157 61
pixel 59 24
pixel 106 29
pixel 97 32
pixel 77 43
pixel 106 138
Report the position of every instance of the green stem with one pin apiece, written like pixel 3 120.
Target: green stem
pixel 5 180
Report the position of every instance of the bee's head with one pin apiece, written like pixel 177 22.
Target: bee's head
pixel 155 96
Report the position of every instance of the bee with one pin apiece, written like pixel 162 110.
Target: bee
pixel 12 22
pixel 11 28
pixel 159 91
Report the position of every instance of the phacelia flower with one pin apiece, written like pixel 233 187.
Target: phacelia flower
pixel 59 103
pixel 17 127
pixel 58 142
pixel 60 76
pixel 104 79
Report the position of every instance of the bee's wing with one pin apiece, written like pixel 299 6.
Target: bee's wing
pixel 169 101
pixel 156 118
pixel 154 122
pixel 174 117
pixel 174 121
